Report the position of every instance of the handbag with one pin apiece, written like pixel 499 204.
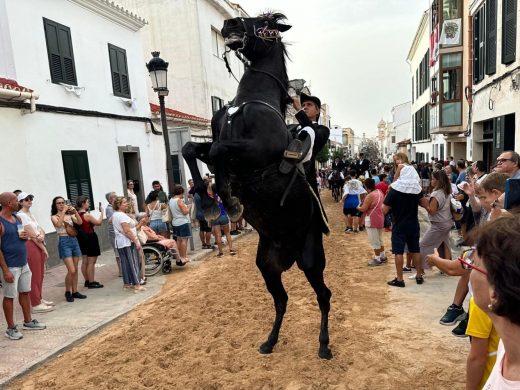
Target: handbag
pixel 142 236
pixel 166 214
pixel 457 211
pixel 71 230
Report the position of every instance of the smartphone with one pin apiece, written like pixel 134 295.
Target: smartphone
pixel 99 205
pixel 512 197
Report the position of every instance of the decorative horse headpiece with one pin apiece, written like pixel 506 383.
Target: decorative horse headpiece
pixel 239 32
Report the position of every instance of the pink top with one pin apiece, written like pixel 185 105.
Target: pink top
pixel 375 212
pixel 496 381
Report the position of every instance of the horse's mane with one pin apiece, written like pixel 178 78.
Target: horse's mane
pixel 279 17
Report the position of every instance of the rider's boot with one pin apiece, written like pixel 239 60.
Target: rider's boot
pixel 295 152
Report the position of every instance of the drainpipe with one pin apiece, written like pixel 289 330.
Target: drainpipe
pixel 11 94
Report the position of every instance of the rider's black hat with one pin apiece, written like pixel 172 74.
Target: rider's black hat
pixel 304 97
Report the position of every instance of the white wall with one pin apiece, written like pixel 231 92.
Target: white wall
pixel 33 151
pixel 91 34
pixel 32 143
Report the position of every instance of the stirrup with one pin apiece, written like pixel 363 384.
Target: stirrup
pixel 292 155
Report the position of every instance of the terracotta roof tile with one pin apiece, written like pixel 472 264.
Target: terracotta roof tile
pixel 178 114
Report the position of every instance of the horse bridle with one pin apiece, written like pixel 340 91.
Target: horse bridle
pixel 247 64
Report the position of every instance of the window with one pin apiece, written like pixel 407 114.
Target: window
pixel 451 9
pixel 59 51
pixel 451 103
pixel 217 43
pixel 119 71
pixel 216 104
pixel 422 124
pixel 491 36
pixel 77 174
pixel 508 31
pixel 479 45
pixel 393 139
pixel 422 75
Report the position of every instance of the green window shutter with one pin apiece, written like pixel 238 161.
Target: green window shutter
pixel 508 31
pixel 491 37
pixel 119 71
pixel 60 53
pixel 77 174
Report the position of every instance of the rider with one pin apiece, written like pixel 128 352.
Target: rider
pixel 309 138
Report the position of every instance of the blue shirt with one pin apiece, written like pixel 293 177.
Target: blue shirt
pixel 12 246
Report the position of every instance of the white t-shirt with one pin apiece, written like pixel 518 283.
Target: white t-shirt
pixel 118 218
pixel 28 220
pixel 496 381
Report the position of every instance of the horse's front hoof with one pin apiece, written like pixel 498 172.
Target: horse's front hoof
pixel 235 213
pixel 325 353
pixel 265 348
pixel 212 213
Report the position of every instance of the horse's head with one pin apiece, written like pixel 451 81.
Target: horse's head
pixel 243 34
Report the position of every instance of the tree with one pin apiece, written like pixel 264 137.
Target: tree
pixel 370 149
pixel 323 155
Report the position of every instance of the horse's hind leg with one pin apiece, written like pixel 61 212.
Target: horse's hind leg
pixel 313 265
pixel 323 294
pixel 273 281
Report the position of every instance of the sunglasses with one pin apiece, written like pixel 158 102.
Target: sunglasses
pixel 467 262
pixel 502 160
pixel 28 199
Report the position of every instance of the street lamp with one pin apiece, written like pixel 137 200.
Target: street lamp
pixel 158 69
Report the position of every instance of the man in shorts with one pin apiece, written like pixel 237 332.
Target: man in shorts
pixel 15 275
pixel 405 231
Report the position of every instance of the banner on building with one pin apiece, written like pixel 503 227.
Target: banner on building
pixel 434 46
pixel 451 32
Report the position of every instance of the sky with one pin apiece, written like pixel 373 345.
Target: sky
pixel 352 53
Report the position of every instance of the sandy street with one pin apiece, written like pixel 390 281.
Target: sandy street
pixel 203 330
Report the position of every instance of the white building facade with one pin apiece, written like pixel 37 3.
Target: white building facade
pixel 423 145
pixel 90 130
pixel 187 34
pixel 496 79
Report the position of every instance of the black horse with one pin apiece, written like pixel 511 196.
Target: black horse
pixel 249 139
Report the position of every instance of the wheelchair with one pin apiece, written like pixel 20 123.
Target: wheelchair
pixel 157 257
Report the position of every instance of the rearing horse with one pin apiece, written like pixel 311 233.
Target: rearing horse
pixel 249 139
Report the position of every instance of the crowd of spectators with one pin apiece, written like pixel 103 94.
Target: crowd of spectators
pixel 23 250
pixel 487 236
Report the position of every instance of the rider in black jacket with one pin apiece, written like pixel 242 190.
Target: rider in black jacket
pixel 309 138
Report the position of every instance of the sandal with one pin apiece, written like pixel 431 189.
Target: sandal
pixel 181 263
pixel 220 254
pixel 232 252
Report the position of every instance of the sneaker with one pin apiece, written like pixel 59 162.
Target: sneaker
pixel 407 269
pixel 347 230
pixel 95 285
pixel 452 315
pixel 142 282
pixel 460 329
pixel 69 297
pixel 48 303
pixel 396 283
pixel 42 308
pixel 374 263
pixel 13 334
pixel 419 280
pixel 34 325
pixel 234 232
pixel 78 295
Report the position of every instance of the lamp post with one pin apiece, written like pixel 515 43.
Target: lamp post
pixel 158 69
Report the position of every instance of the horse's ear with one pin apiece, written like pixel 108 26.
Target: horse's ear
pixel 283 27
